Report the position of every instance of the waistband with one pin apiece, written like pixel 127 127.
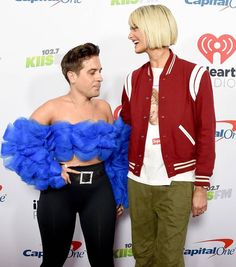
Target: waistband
pixel 87 174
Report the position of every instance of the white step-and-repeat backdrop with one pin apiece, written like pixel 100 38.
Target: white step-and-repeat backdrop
pixel 35 34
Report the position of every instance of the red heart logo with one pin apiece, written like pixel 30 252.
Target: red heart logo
pixel 225 45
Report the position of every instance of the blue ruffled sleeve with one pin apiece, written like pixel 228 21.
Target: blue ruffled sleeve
pixel 28 150
pixel 117 164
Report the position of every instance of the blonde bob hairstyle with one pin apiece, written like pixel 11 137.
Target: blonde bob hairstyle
pixel 157 23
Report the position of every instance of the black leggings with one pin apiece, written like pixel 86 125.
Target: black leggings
pixel 57 209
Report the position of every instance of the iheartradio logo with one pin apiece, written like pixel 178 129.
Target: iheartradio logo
pixel 225 45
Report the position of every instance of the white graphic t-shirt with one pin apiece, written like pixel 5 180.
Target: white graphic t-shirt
pixel 153 171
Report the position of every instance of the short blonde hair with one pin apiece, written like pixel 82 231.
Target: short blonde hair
pixel 158 24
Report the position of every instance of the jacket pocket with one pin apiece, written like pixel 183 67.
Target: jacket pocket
pixel 187 134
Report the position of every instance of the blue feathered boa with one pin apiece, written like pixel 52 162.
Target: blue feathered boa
pixel 34 151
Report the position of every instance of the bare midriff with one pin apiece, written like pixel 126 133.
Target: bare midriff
pixel 76 162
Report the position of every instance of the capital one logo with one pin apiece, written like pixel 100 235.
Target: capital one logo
pixel 215 247
pixel 2 197
pixel 226 132
pixel 74 253
pixel 209 44
pixel 75 245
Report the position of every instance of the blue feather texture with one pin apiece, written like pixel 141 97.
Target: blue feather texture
pixel 34 151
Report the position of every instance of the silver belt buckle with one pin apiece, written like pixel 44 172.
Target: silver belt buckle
pixel 86 177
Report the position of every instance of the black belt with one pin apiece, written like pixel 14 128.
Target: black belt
pixel 86 174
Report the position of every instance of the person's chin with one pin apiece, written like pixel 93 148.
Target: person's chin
pixel 97 93
pixel 139 51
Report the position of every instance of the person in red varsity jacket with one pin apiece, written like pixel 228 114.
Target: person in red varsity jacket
pixel 169 104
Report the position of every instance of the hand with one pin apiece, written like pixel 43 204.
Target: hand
pixel 119 210
pixel 199 205
pixel 65 175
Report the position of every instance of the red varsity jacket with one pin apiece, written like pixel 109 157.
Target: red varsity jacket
pixel 186 117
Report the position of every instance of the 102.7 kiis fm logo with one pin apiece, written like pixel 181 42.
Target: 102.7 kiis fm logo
pixel 124 252
pixel 48 57
pixel 216 193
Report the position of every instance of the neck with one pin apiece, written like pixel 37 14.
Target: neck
pixel 78 98
pixel 158 57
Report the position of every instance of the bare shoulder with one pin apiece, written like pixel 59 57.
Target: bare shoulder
pixel 101 103
pixel 104 107
pixel 45 113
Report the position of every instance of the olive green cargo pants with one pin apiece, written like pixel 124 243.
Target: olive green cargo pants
pixel 159 220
